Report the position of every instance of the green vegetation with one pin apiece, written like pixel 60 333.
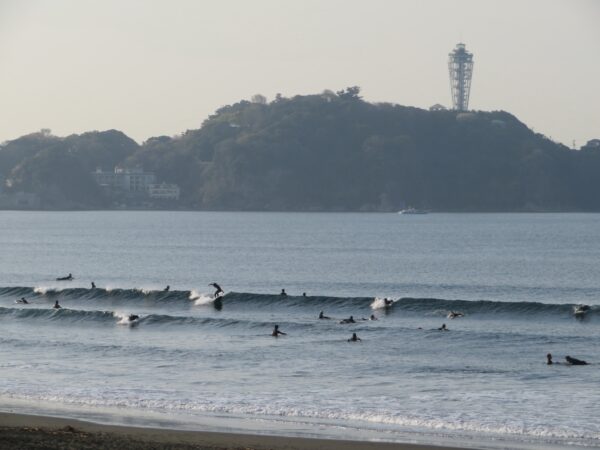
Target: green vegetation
pixel 326 152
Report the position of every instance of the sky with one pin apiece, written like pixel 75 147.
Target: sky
pixel 158 67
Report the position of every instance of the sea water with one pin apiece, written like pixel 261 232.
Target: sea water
pixel 190 363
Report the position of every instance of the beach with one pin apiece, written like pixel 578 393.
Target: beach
pixel 21 431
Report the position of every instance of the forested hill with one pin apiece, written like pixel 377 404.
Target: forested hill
pixel 325 152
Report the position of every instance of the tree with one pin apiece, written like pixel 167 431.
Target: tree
pixel 259 99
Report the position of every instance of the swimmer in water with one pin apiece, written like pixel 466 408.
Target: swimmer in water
pixel 323 316
pixel 372 317
pixel 283 293
pixel 575 361
pixel 67 278
pixel 549 359
pixel 56 305
pixel 93 285
pixel 354 338
pixel 218 291
pixel 443 328
pixel 276 332
pixel 304 294
pixel 348 320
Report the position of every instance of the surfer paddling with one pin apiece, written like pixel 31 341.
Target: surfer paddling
pixel 67 278
pixel 575 361
pixel 455 314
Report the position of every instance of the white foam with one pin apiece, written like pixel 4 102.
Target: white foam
pixel 379 303
pixel 290 409
pixel 201 299
pixel 43 290
pixel 123 318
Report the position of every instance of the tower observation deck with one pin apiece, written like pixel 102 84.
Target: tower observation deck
pixel 460 66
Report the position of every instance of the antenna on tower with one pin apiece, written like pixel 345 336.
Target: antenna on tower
pixel 460 66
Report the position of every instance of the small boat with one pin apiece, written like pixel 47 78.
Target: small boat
pixel 413 211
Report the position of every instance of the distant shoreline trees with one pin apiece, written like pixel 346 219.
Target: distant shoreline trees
pixel 323 152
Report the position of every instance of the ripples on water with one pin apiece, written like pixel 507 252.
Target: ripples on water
pixel 516 278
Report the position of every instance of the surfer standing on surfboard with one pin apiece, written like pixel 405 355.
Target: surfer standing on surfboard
pixel 218 291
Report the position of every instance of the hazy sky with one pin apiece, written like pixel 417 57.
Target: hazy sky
pixel 160 67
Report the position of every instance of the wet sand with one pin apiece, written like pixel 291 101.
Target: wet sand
pixel 24 432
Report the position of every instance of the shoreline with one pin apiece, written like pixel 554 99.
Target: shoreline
pixel 23 431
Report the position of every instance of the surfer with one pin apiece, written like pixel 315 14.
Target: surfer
pixel 218 291
pixel 304 294
pixel 348 320
pixel 454 314
pixel 67 278
pixel 354 338
pixel 23 300
pixel 388 302
pixel 167 288
pixel 323 316
pixel 443 328
pixel 133 317
pixel 276 331
pixel 372 317
pixel 93 285
pixel 56 305
pixel 580 311
pixel 549 359
pixel 575 361
pixel 283 293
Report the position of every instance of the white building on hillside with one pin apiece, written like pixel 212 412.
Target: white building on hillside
pixel 164 191
pixel 128 180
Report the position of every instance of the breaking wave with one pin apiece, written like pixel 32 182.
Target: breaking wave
pixel 256 301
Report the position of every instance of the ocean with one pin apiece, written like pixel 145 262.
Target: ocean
pixel 189 363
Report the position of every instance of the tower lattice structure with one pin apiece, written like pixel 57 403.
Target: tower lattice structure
pixel 460 66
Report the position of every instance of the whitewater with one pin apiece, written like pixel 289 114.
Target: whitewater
pixel 192 363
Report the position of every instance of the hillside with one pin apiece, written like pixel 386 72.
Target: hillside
pixel 325 152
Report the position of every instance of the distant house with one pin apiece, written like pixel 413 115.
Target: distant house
pixel 437 107
pixel 164 191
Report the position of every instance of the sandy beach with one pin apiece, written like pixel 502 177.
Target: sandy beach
pixel 19 431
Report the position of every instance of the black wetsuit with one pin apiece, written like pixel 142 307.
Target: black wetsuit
pixel 575 361
pixel 218 291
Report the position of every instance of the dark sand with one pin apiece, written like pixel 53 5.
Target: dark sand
pixel 24 432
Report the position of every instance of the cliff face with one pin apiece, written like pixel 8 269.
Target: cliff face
pixel 328 152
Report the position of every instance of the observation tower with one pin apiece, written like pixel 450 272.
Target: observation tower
pixel 460 66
